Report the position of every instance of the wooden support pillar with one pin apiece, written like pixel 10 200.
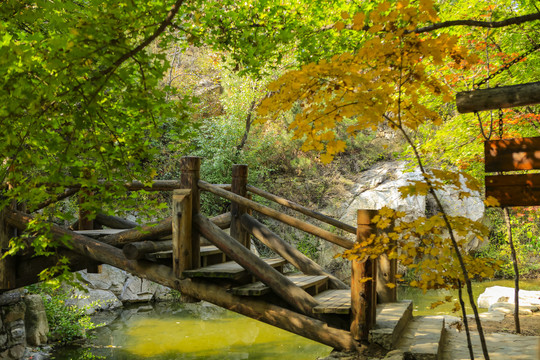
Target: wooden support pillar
pixel 191 172
pixel 363 293
pixel 7 264
pixel 85 223
pixel 239 187
pixel 182 245
pixel 386 274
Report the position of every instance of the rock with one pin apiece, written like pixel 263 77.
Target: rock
pixel 14 312
pixel 338 355
pixel 17 332
pixel 110 278
pixel 138 290
pixel 16 352
pixel 94 300
pixel 163 293
pixel 497 294
pixel 35 318
pixel 380 186
pixel 508 308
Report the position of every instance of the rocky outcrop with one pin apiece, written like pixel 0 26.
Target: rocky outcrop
pixel 12 331
pixel 22 322
pixel 496 296
pixel 111 288
pixel 35 319
pixel 378 187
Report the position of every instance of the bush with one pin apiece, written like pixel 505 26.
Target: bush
pixel 66 323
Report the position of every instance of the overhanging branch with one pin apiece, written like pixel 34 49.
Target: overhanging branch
pixel 476 23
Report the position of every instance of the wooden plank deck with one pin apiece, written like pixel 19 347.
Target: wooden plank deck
pixel 228 270
pixel 206 250
pixel 304 281
pixel 333 302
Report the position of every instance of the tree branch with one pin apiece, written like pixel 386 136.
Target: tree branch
pixel 161 28
pixel 476 23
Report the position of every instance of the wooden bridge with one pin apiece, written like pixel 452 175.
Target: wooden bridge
pixel 194 255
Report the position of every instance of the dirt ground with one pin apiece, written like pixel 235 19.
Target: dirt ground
pixel 530 325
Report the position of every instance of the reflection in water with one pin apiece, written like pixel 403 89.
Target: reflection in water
pixel 422 302
pixel 195 332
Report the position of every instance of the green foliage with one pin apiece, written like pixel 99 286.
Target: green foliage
pixel 526 237
pixel 66 323
pixel 217 143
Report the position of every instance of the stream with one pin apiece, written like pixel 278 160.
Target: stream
pixel 166 331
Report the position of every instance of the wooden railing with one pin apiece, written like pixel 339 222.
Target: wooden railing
pixel 189 229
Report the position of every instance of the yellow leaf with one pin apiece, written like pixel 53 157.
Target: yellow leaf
pixel 345 15
pixel 358 21
pixel 391 285
pixel 491 201
pixel 326 158
pixel 340 25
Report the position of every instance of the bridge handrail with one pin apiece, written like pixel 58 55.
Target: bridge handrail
pixel 302 209
pixel 299 224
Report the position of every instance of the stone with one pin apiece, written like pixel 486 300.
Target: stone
pixel 110 278
pixel 14 312
pixel 94 300
pixel 138 290
pixel 497 294
pixel 508 308
pixel 163 293
pixel 17 352
pixel 17 332
pixel 35 318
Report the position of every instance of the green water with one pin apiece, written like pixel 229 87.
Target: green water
pixel 195 332
pixel 422 302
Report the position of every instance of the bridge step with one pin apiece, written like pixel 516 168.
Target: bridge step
pixel 391 319
pixel 229 270
pixel 313 284
pixel 210 255
pixel 333 302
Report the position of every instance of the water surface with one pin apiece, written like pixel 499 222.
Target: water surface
pixel 193 331
pixel 422 302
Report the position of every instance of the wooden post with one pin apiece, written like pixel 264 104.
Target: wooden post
pixel 363 293
pixel 191 169
pixel 386 274
pixel 239 187
pixel 182 246
pixel 86 224
pixel 7 264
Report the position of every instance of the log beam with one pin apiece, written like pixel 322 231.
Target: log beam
pixel 498 98
pixel 115 222
pixel 285 288
pixel 257 309
pixel 301 225
pixel 288 252
pixel 302 209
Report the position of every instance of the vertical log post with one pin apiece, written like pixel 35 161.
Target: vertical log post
pixel 85 223
pixel 386 274
pixel 189 179
pixel 7 264
pixel 239 187
pixel 182 231
pixel 363 293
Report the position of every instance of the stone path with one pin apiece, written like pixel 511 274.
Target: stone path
pixel 500 346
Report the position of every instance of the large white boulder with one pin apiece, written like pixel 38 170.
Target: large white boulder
pixel 503 294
